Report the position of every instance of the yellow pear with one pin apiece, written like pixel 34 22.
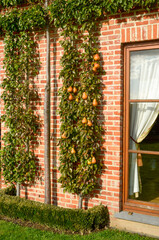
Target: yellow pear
pixel 74 90
pixel 73 151
pixel 89 162
pixel 96 57
pixel 69 89
pixel 89 123
pixel 64 135
pixel 84 120
pixel 84 96
pixel 70 97
pixel 96 65
pixel 94 69
pixel 93 160
pixel 95 103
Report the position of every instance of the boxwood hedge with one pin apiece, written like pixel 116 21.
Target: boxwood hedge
pixel 11 190
pixel 74 220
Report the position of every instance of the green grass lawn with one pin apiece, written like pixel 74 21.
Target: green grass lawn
pixel 10 231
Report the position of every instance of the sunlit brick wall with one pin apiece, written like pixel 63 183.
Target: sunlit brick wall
pixel 113 31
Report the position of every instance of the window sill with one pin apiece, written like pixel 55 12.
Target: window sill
pixel 136 217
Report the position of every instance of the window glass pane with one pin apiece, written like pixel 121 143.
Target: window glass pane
pixel 151 142
pixel 146 178
pixel 144 126
pixel 144 74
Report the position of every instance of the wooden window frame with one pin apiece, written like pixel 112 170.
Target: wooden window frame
pixel 131 205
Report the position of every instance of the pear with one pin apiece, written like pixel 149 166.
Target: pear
pixel 96 57
pixel 93 160
pixel 94 69
pixel 64 135
pixel 89 162
pixel 84 120
pixel 74 90
pixel 97 65
pixel 84 96
pixel 73 151
pixel 69 89
pixel 95 103
pixel 70 97
pixel 89 123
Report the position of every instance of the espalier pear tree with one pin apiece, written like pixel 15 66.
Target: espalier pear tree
pixel 81 131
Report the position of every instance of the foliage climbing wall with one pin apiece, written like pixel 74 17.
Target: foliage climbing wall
pixel 81 133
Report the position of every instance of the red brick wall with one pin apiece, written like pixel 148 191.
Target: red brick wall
pixel 114 30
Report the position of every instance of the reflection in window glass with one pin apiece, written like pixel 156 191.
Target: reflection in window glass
pixel 144 85
pixel 148 176
pixel 144 74
pixel 144 125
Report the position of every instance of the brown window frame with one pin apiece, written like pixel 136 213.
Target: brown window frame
pixel 129 204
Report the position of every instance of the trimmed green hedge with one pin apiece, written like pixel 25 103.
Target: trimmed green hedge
pixel 74 220
pixel 11 190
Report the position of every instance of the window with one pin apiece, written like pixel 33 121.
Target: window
pixel 141 128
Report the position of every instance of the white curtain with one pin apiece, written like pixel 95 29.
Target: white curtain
pixel 144 84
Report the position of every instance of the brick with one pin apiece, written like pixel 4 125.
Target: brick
pixel 141 23
pixel 155 31
pixel 128 35
pixel 115 30
pixel 138 34
pixel 149 32
pixel 144 33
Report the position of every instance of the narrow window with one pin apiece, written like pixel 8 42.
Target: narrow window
pixel 141 128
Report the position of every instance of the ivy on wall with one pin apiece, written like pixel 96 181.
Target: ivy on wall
pixel 10 3
pixel 81 133
pixel 64 12
pixel 18 20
